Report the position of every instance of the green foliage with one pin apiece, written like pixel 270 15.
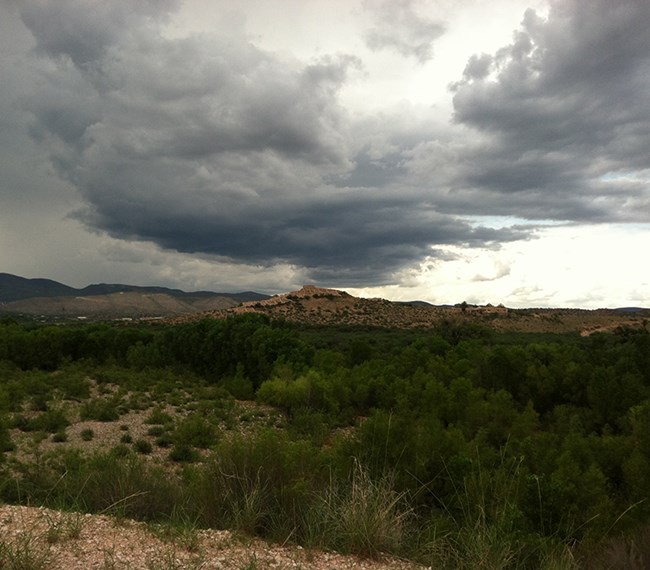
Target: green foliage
pixel 365 516
pixel 51 421
pixel 143 446
pixel 60 437
pixel 157 416
pixel 182 453
pixel 100 409
pixel 196 431
pixel 87 434
pixel 456 446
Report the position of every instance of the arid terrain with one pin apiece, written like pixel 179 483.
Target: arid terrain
pixel 37 538
pixel 320 306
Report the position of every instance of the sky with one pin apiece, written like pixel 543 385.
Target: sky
pixel 441 150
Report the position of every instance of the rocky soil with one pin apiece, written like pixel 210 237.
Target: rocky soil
pixel 36 538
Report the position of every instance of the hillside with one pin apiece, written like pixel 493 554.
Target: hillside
pixel 320 306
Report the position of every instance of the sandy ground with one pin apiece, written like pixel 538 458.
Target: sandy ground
pixel 38 538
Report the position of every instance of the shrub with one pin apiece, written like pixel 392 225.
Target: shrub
pixel 120 451
pixel 5 439
pixel 195 431
pixel 183 454
pixel 59 437
pixel 127 486
pixel 51 421
pixel 143 446
pixel 100 409
pixel 87 434
pixel 157 416
pixel 156 431
pixel 165 440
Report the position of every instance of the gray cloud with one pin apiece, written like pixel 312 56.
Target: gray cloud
pixel 84 32
pixel 563 115
pixel 213 146
pixel 397 26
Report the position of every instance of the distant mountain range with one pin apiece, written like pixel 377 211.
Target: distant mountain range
pixel 51 298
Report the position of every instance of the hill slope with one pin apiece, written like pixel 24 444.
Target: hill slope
pixel 318 306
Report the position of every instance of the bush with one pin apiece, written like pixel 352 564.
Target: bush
pixel 60 437
pixel 195 431
pixel 156 430
pixel 367 517
pixel 165 440
pixel 52 421
pixel 120 451
pixel 87 434
pixel 157 416
pixel 100 409
pixel 183 454
pixel 143 446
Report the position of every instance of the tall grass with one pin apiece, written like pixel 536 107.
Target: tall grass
pixel 484 528
pixel 363 516
pixel 289 491
pixel 24 553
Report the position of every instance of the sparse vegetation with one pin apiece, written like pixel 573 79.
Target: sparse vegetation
pixel 87 434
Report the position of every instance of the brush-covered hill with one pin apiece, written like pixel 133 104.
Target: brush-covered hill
pixel 332 307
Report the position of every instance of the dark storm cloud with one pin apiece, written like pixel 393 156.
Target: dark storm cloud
pixel 564 117
pixel 341 240
pixel 210 145
pixel 85 31
pixel 397 26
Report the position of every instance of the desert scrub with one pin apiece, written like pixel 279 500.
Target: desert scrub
pixel 60 437
pixel 164 440
pixel 143 446
pixel 87 434
pixel 51 421
pixel 157 416
pixel 156 430
pixel 63 526
pixel 183 454
pixel 196 431
pixel 5 437
pixel 100 409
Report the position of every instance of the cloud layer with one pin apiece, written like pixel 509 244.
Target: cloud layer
pixel 212 145
pixel 563 113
